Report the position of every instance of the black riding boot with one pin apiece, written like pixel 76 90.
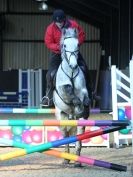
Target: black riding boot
pixel 84 69
pixel 91 93
pixel 48 99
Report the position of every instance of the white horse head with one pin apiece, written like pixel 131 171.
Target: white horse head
pixel 70 47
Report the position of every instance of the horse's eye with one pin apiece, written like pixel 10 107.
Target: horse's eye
pixel 64 46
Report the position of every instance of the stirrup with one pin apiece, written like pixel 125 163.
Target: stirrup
pixel 47 101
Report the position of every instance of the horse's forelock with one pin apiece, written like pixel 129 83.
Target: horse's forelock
pixel 70 32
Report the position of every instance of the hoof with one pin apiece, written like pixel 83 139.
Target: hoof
pixel 77 165
pixel 66 162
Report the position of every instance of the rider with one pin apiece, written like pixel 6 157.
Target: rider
pixel 52 40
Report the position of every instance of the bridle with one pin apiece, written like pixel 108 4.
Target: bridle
pixel 71 53
pixel 68 61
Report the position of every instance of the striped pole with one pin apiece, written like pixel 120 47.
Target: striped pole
pixel 42 111
pixel 27 110
pixel 81 159
pixel 57 143
pixel 40 122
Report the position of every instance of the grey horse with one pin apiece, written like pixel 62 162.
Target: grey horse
pixel 70 95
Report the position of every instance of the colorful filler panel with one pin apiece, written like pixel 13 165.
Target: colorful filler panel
pixel 124 113
pixel 23 134
pixel 35 135
pixel 53 133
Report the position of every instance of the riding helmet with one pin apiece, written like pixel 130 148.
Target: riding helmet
pixel 59 15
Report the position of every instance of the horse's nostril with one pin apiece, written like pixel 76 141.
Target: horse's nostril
pixel 71 66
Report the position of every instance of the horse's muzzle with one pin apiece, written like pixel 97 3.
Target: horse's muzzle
pixel 73 67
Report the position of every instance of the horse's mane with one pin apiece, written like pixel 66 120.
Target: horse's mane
pixel 66 33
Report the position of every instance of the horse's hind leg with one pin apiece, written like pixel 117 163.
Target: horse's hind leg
pixel 78 146
pixel 67 149
pixel 86 103
pixel 78 151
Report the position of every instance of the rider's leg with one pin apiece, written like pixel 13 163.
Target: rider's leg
pixel 47 99
pixel 89 84
pixel 84 68
pixel 53 66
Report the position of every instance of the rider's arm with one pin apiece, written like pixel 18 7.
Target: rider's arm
pixel 81 33
pixel 49 41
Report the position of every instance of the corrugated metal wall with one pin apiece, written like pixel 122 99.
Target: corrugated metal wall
pixel 23 45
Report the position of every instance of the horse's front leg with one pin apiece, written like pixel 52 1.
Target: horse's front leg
pixel 67 148
pixel 68 90
pixel 78 145
pixel 65 134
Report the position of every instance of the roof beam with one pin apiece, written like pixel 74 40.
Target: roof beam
pixel 111 3
pixel 96 7
pixel 82 10
pixel 76 12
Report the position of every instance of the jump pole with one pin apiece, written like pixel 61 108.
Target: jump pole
pixel 40 122
pixel 69 156
pixel 57 143
pixel 41 111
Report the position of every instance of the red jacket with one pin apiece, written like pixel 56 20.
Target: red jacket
pixel 53 35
